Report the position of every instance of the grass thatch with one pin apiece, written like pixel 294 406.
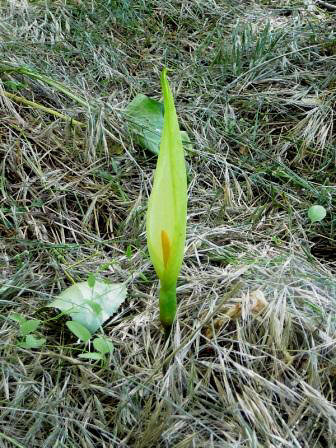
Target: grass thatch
pixel 252 361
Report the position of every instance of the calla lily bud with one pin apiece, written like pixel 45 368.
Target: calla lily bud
pixel 167 208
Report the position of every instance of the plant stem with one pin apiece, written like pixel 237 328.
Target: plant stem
pixel 167 307
pixel 22 100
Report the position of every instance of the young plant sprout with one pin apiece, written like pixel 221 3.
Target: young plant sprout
pixel 167 209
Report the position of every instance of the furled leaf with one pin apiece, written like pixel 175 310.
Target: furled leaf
pixel 145 120
pixel 91 306
pixel 167 209
pixel 167 206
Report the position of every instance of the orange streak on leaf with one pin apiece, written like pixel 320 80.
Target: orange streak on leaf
pixel 165 247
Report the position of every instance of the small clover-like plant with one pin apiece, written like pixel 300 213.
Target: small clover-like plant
pixel 27 327
pixel 103 349
pixel 90 304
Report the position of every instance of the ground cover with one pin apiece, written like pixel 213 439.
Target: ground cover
pixel 252 361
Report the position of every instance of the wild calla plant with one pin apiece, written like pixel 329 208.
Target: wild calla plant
pixel 167 209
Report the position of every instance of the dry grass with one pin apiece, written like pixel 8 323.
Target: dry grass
pixel 252 361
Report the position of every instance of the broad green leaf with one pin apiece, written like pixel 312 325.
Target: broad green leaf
pixel 79 330
pixel 316 213
pixel 29 326
pixel 94 356
pixel 91 280
pixel 103 345
pixel 91 306
pixel 145 118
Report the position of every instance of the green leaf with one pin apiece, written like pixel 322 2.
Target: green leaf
pixel 22 344
pixel 17 318
pixel 167 205
pixel 167 209
pixel 91 307
pixel 33 342
pixel 79 330
pixel 96 308
pixel 14 85
pixel 145 121
pixel 316 213
pixel 91 280
pixel 29 326
pixel 103 345
pixel 129 251
pixel 144 278
pixel 186 141
pixel 95 356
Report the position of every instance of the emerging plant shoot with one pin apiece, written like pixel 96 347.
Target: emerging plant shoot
pixel 167 209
